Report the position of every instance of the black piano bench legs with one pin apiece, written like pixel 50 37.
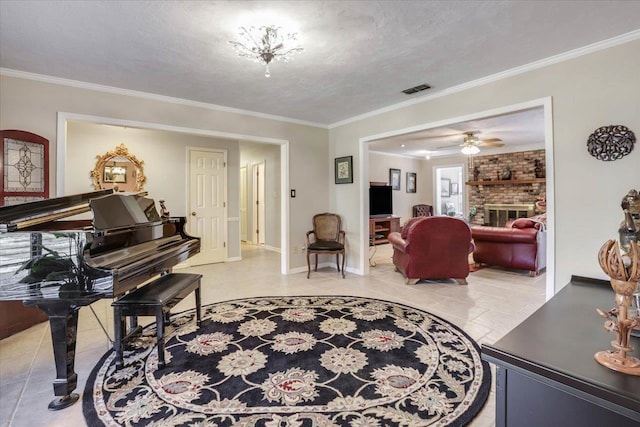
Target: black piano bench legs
pixel 154 299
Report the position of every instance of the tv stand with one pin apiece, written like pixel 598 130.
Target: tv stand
pixel 379 228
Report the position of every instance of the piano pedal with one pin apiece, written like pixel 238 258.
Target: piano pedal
pixel 133 334
pixel 63 402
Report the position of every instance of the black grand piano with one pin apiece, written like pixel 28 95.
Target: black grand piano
pixel 60 264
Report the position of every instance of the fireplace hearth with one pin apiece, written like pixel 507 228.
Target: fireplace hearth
pixel 497 214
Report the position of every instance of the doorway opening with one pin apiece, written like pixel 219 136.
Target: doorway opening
pixel 63 179
pixel 543 103
pixel 243 204
pixel 261 194
pixel 448 188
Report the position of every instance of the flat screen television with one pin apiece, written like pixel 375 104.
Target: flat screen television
pixel 380 201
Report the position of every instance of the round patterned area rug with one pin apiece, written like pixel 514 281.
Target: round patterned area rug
pixel 295 361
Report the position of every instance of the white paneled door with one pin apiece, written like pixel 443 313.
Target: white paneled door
pixel 259 217
pixel 243 203
pixel 207 205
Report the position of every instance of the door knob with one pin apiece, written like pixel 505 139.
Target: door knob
pixel 193 214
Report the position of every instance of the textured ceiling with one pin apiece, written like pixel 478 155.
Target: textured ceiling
pixel 358 55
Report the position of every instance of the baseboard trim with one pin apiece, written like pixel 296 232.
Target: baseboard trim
pixel 331 265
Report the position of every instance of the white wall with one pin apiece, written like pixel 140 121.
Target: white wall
pixel 590 91
pixel 587 92
pixel 164 155
pixel 379 165
pixel 165 164
pixel 34 106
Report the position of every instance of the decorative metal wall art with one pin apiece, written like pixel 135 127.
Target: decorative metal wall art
pixel 611 142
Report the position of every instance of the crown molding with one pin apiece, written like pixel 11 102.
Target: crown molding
pixel 151 96
pixel 585 50
pixel 404 156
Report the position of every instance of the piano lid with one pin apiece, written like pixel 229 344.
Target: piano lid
pixel 79 260
pixel 120 210
pixel 17 217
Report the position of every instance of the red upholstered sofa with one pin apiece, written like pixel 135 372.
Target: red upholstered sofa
pixel 434 247
pixel 520 244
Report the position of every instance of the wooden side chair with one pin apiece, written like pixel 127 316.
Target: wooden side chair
pixel 327 237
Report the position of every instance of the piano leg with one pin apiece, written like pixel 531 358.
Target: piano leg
pixel 63 319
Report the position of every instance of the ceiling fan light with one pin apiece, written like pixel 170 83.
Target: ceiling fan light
pixel 471 139
pixel 470 149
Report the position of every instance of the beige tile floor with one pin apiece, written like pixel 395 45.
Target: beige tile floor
pixel 493 303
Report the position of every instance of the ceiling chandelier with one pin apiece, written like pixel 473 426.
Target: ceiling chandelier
pixel 266 44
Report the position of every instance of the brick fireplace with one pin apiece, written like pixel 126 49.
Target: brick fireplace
pixel 510 198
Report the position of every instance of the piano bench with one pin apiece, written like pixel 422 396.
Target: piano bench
pixel 156 298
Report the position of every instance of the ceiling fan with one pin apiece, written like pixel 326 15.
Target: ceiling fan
pixel 471 143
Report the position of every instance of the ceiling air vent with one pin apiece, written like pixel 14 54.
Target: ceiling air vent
pixel 416 89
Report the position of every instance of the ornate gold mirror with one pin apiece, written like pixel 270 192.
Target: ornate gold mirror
pixel 118 169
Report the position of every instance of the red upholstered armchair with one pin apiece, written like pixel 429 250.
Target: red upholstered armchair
pixel 434 247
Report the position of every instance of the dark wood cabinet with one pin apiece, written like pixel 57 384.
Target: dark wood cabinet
pixel 15 317
pixel 379 228
pixel 546 374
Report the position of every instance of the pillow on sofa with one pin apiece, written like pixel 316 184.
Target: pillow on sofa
pixel 524 223
pixel 539 222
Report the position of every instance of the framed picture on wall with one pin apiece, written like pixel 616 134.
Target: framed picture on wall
pixel 394 178
pixel 445 187
pixel 344 170
pixel 454 189
pixel 411 182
